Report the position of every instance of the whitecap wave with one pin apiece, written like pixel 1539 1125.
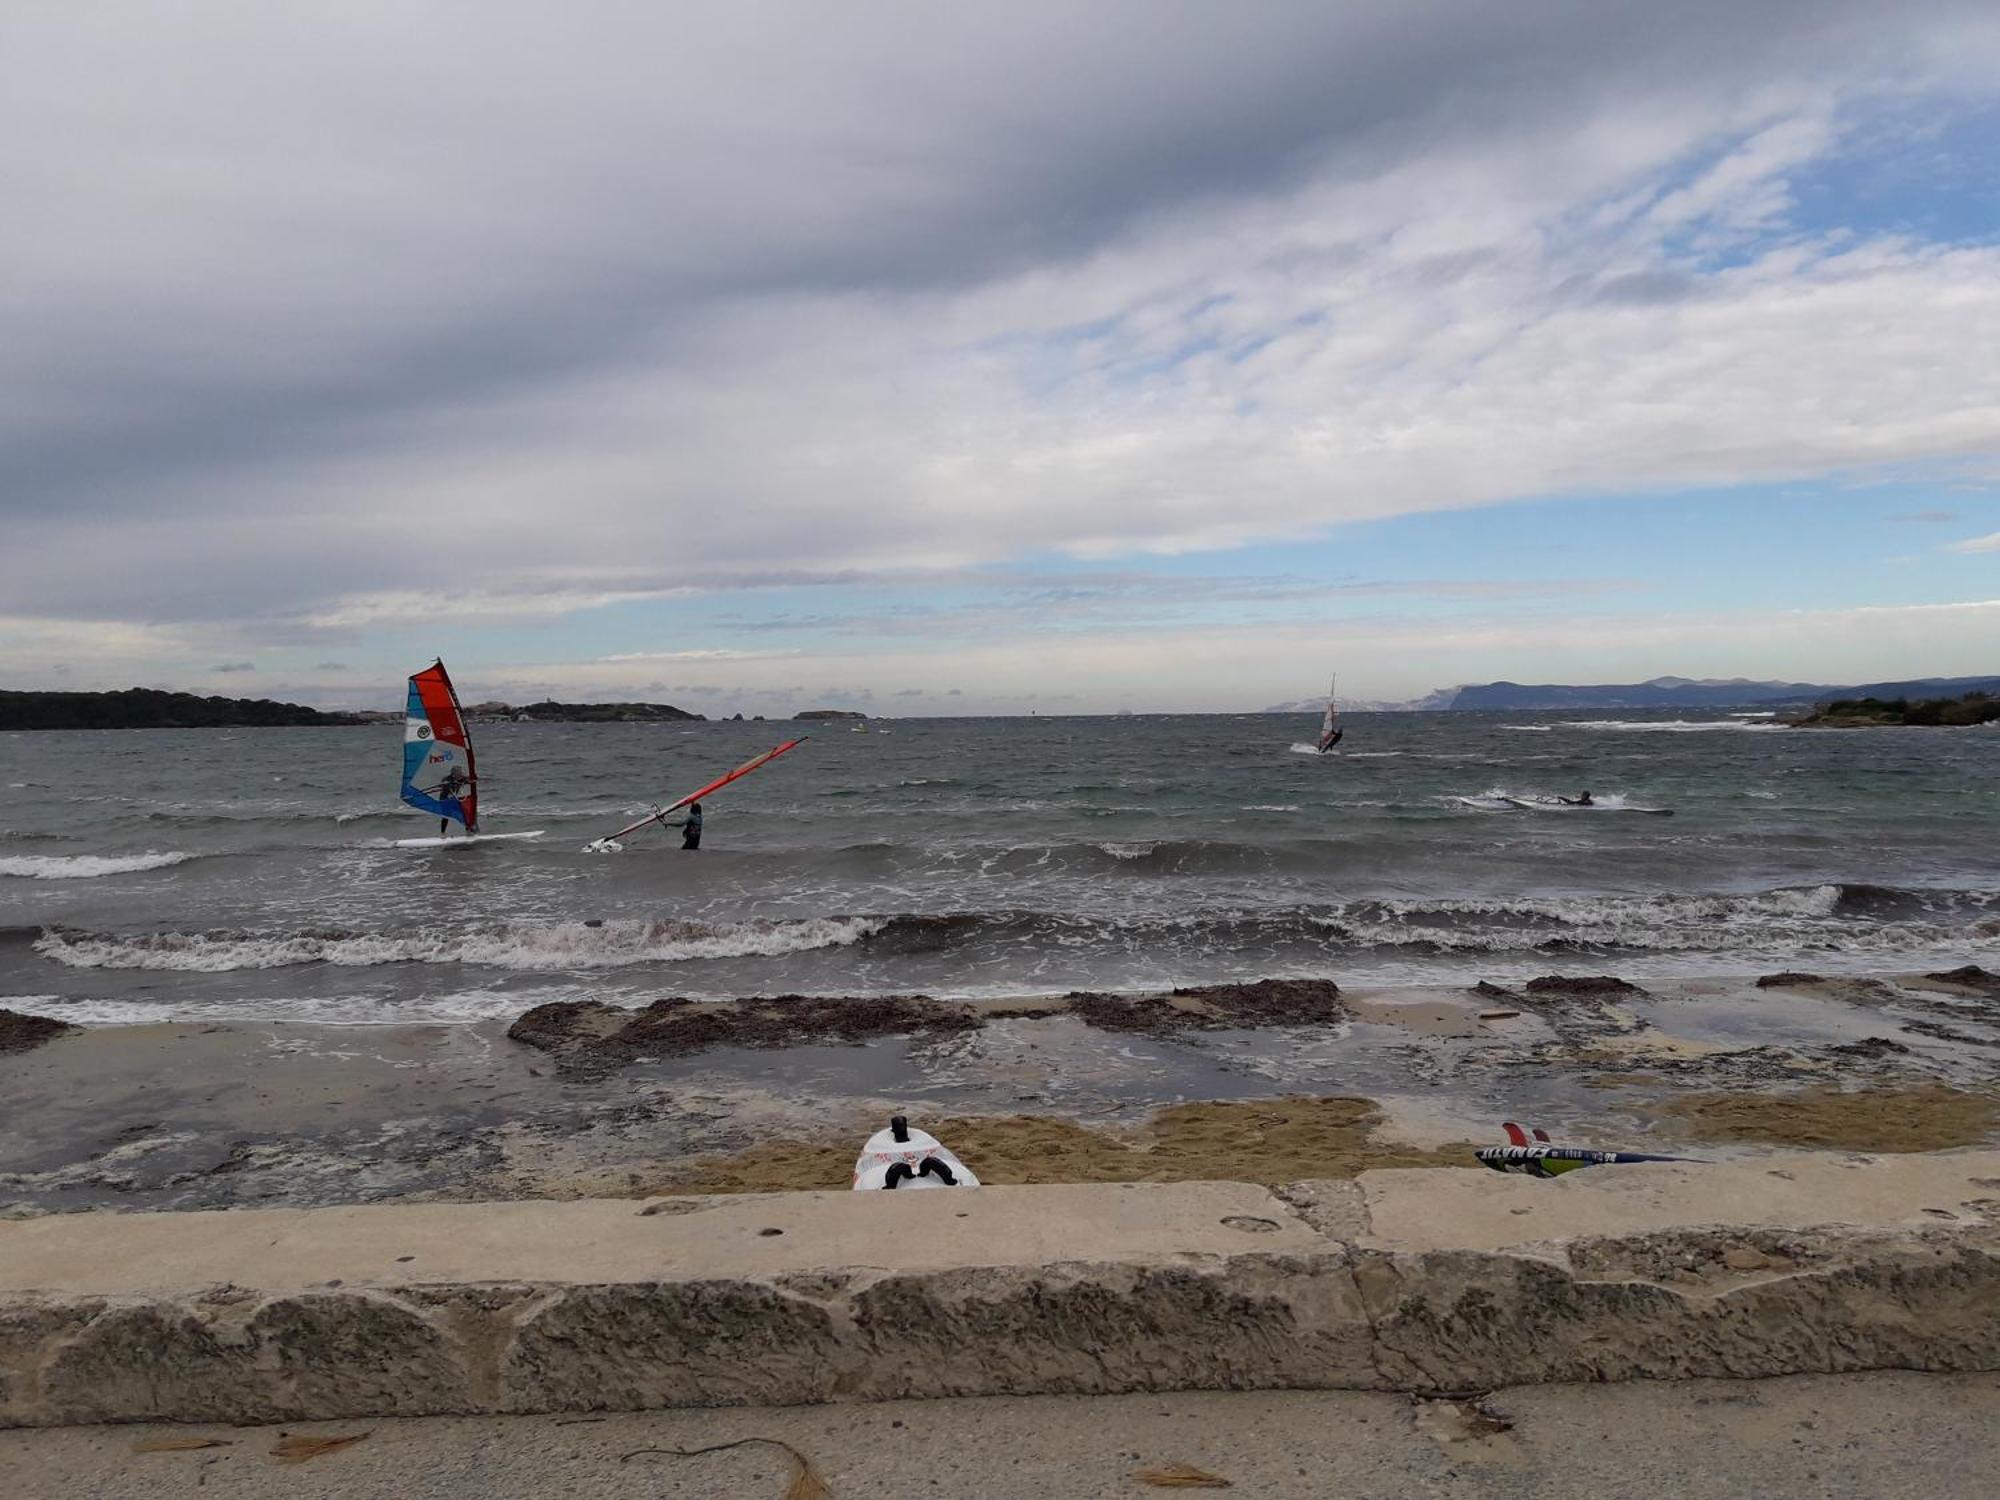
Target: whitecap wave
pixel 1675 726
pixel 453 1008
pixel 507 945
pixel 84 866
pixel 1788 921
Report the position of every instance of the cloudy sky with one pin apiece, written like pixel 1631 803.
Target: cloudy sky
pixel 1157 355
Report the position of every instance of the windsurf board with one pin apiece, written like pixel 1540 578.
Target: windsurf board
pixel 465 838
pixel 900 1157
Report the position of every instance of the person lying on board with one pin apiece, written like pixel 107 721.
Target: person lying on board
pixel 1582 800
pixel 691 838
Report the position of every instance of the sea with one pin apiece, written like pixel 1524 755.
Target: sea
pixel 249 874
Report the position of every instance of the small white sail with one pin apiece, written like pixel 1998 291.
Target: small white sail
pixel 1329 725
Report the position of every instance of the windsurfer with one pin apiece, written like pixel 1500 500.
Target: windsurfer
pixel 453 786
pixel 690 826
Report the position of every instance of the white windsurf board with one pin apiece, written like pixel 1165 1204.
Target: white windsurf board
pixel 900 1158
pixel 465 838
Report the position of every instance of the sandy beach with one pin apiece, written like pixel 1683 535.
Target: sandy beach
pixel 1258 1083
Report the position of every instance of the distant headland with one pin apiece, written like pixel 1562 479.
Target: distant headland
pixel 1870 713
pixel 1657 693
pixel 150 708
pixel 551 712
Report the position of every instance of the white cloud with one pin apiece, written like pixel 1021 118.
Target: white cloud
pixel 503 330
pixel 1988 543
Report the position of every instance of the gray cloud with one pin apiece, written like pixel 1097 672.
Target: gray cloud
pixel 1926 517
pixel 234 666
pixel 341 319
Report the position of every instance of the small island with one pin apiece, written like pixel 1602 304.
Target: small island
pixel 1872 713
pixel 828 713
pixel 150 708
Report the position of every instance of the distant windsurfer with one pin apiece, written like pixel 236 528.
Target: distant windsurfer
pixel 1582 799
pixel 690 827
pixel 450 789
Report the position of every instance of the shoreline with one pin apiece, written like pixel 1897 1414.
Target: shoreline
pixel 1253 1082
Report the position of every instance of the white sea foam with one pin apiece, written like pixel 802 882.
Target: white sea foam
pixel 1137 849
pixel 1286 807
pixel 459 1008
pixel 1499 799
pixel 1779 922
pixel 508 945
pixel 1673 726
pixel 84 866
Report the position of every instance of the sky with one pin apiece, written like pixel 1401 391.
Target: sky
pixel 1157 355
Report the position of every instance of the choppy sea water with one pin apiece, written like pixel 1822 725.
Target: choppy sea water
pixel 248 873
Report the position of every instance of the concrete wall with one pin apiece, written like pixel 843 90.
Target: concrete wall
pixel 1420 1280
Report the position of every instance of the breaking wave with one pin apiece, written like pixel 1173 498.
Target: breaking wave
pixel 84 866
pixel 1833 919
pixel 505 945
pixel 1674 726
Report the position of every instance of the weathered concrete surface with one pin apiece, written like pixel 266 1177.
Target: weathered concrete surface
pixel 1434 1280
pixel 1887 1435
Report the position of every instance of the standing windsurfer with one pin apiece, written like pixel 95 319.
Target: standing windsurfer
pixel 452 787
pixel 691 826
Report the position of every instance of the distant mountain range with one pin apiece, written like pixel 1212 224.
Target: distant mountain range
pixel 1659 692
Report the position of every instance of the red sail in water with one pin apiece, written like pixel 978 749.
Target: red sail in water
pixel 438 773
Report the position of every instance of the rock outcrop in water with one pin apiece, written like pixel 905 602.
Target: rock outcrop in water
pixel 20 1032
pixel 1876 713
pixel 1212 1007
pixel 591 1036
pixel 1581 985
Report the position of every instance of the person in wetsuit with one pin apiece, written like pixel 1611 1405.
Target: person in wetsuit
pixel 690 827
pixel 455 784
pixel 1581 800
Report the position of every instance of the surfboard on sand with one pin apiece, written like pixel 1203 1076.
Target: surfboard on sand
pixel 900 1157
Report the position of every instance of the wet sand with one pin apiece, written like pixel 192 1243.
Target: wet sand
pixel 1253 1083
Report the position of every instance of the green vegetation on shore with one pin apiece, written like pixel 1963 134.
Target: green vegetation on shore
pixel 149 708
pixel 1862 713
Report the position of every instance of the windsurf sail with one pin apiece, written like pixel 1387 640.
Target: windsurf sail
pixel 438 774
pixel 1329 725
pixel 1539 1158
pixel 660 814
